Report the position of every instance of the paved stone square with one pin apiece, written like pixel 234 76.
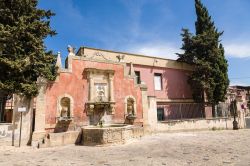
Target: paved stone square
pixel 184 148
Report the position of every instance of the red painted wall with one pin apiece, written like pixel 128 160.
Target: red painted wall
pixel 174 82
pixel 75 84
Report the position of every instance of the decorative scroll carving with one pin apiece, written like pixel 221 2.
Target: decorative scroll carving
pixel 99 54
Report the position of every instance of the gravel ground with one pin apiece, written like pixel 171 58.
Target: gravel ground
pixel 186 148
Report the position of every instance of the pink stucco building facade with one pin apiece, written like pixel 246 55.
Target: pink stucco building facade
pixel 122 82
pixel 99 87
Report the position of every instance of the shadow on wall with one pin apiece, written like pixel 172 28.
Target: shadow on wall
pixel 62 126
pixel 176 85
pixel 178 111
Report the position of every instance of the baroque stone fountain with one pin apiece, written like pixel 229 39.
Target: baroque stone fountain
pixel 101 108
pixel 101 103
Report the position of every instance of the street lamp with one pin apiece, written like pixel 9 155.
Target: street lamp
pixel 235 123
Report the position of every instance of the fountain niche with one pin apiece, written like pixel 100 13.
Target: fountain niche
pixel 101 104
pixel 101 108
pixel 130 109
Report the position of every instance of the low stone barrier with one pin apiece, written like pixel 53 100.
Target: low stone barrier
pixel 93 135
pixel 6 134
pixel 58 139
pixel 195 124
pixel 63 138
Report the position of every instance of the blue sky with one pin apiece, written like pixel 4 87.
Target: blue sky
pixel 150 27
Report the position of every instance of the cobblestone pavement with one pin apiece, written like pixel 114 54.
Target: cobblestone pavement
pixel 185 148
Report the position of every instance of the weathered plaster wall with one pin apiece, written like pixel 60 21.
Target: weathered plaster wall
pixel 7 135
pixel 75 84
pixel 174 82
pixel 195 124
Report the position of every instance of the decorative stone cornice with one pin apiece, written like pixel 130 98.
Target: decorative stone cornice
pixel 94 70
pixel 114 56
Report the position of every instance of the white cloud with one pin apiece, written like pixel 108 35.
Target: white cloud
pixel 238 50
pixel 158 49
pixel 240 83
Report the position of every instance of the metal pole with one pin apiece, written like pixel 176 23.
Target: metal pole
pixel 235 123
pixel 20 136
pixel 13 122
pixel 226 113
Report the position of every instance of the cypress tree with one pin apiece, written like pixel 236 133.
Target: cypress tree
pixel 210 76
pixel 187 46
pixel 23 55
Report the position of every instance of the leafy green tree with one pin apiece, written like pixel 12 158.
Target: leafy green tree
pixel 23 55
pixel 209 79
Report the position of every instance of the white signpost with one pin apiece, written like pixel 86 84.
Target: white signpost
pixel 21 110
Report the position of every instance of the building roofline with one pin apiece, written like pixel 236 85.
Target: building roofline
pixel 127 53
pixel 135 58
pixel 240 87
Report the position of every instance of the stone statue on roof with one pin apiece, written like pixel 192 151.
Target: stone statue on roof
pixel 71 50
pixel 120 57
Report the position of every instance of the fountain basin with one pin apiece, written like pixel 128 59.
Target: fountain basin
pixel 110 134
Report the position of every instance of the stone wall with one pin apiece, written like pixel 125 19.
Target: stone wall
pixel 195 124
pixel 5 134
pixel 60 139
pixel 6 130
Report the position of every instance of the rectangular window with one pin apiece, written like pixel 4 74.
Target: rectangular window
pixel 158 81
pixel 138 77
pixel 6 109
pixel 160 114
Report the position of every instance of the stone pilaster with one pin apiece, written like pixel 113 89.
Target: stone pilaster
pixel 152 113
pixel 39 131
pixel 27 119
pixel 131 70
pixel 144 95
pixel 68 63
pixel 91 87
pixel 111 88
